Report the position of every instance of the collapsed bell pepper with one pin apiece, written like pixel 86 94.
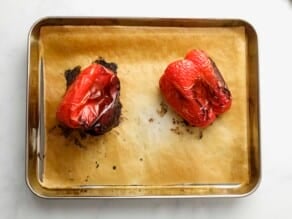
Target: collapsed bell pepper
pixel 91 102
pixel 195 89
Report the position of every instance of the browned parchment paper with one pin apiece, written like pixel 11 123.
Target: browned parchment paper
pixel 146 148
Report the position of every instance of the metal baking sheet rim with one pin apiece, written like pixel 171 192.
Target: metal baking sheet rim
pixel 162 22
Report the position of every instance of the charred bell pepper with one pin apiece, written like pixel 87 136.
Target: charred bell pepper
pixel 195 89
pixel 91 102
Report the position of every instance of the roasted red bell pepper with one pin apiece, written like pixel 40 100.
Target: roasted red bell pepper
pixel 195 89
pixel 91 102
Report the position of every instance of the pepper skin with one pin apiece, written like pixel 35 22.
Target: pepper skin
pixel 91 103
pixel 195 89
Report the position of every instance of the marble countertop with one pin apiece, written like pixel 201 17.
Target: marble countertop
pixel 273 23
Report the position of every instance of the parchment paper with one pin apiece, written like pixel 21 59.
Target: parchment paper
pixel 147 148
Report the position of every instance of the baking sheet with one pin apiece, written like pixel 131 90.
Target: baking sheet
pixel 150 154
pixel 146 148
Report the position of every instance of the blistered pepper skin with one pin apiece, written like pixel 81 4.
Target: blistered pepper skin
pixel 91 102
pixel 219 94
pixel 195 89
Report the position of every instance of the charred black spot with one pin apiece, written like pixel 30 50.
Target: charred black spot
pixel 226 91
pixel 108 121
pixel 218 74
pixel 200 133
pixel 71 75
pixel 185 122
pixel 109 65
pixel 82 134
pixel 163 109
pixel 66 131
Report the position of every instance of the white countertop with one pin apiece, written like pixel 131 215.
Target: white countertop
pixel 273 23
